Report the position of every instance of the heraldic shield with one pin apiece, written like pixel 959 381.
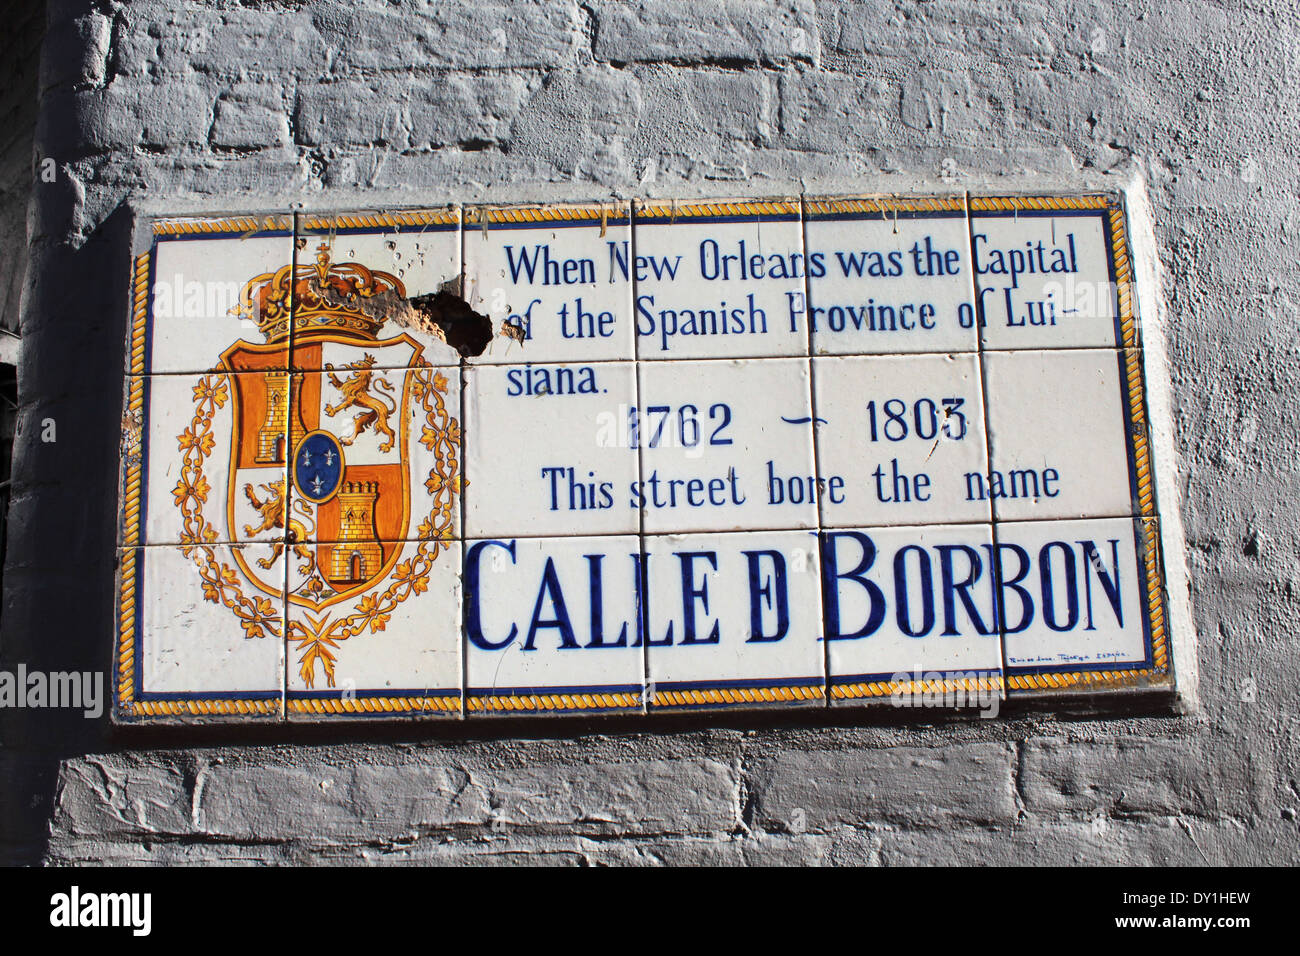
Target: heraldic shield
pixel 324 457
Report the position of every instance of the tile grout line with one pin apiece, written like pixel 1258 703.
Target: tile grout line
pixel 817 472
pixel 634 414
pixel 995 570
pixel 292 402
pixel 703 359
pixel 1031 520
pixel 463 368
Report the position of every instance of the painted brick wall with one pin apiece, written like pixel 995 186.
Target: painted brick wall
pixel 21 51
pixel 233 105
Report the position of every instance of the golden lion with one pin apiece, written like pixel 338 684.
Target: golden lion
pixel 272 513
pixel 356 393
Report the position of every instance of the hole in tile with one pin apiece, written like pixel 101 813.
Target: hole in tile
pixel 445 314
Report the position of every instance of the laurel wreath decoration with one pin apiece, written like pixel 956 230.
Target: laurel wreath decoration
pixel 257 615
pixel 318 637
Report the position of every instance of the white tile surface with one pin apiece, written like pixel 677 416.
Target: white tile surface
pixel 553 617
pixel 897 437
pixel 726 446
pixel 196 284
pixel 1057 426
pixel 906 602
pixel 1044 279
pixel 734 613
pixel 393 636
pixel 193 637
pixel 413 259
pixel 196 475
pixel 561 275
pixel 885 281
pixel 721 284
pixel 547 450
pixel 1074 595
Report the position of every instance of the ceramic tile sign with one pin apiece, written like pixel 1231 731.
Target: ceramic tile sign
pixel 632 457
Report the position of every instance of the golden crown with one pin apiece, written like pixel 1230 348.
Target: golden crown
pixel 324 298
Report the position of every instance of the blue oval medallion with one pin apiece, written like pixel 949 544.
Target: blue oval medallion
pixel 318 466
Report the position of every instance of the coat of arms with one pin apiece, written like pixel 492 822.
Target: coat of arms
pixel 322 463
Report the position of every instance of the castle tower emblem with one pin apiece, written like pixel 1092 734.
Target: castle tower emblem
pixel 271 436
pixel 357 555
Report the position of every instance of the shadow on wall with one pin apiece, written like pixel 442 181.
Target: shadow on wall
pixel 60 562
pixel 20 51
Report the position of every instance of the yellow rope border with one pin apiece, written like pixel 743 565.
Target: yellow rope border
pixel 815 207
pixel 203 708
pixel 438 706
pixel 127 572
pixel 139 313
pixel 1128 327
pixel 876 689
pixel 246 225
pixel 493 703
pixel 132 517
pixel 444 216
pixel 736 695
pixel 1139 434
pixel 1064 203
pixel 618 213
pixel 1081 679
pixel 672 210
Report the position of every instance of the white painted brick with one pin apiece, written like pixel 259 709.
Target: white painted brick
pixel 689 30
pixel 920 787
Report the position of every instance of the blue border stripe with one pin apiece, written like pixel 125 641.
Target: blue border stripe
pixel 887 216
pixel 1077 212
pixel 181 695
pixel 914 675
pixel 739 684
pixel 148 319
